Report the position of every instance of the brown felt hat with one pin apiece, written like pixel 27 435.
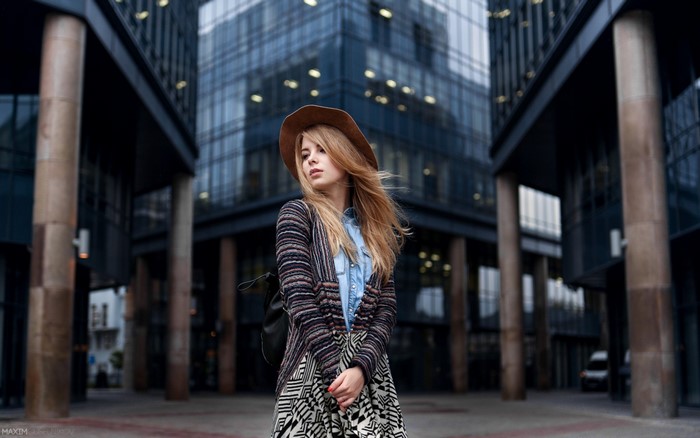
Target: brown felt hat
pixel 309 115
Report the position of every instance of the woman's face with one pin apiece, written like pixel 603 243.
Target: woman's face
pixel 319 170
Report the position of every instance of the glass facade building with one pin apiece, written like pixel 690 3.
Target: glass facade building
pixel 554 96
pixel 415 76
pixel 138 108
pixel 417 81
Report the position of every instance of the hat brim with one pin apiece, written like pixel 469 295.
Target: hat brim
pixel 310 115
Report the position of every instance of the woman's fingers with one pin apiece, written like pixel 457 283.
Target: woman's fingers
pixel 347 387
pixel 346 401
pixel 337 382
pixel 349 382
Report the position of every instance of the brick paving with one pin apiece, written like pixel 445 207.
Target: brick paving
pixel 117 413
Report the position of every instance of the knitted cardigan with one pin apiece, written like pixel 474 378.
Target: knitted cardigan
pixel 310 292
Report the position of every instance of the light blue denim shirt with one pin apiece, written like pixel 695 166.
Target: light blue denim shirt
pixel 352 276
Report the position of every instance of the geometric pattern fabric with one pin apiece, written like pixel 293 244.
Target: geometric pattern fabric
pixel 306 409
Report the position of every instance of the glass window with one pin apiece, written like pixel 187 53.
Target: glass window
pixel 6 115
pixel 104 314
pixel 380 23
pixel 489 290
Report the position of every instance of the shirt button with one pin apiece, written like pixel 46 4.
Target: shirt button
pixel 352 265
pixel 353 286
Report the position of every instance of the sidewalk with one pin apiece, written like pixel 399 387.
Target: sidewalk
pixel 115 413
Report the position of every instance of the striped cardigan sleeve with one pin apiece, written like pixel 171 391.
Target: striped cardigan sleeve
pixel 378 333
pixel 294 264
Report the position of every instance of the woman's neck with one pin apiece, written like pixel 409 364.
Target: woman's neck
pixel 340 198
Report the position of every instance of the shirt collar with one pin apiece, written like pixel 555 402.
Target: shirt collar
pixel 350 216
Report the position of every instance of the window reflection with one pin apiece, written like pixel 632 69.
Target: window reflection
pixel 489 290
pixel 682 135
pixel 539 212
pixel 430 302
pixel 18 125
pixel 165 33
pixel 520 42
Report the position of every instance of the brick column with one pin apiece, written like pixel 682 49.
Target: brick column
pixel 542 341
pixel 177 385
pixel 511 298
pixel 644 204
pixel 51 292
pixel 128 365
pixel 227 315
pixel 142 296
pixel 458 314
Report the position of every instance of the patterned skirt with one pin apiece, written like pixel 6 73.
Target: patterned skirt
pixel 306 409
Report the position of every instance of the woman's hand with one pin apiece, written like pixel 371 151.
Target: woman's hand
pixel 347 387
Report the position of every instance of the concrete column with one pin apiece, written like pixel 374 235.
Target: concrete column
pixel 227 315
pixel 511 299
pixel 540 276
pixel 179 290
pixel 458 314
pixel 142 294
pixel 49 336
pixel 128 365
pixel 644 204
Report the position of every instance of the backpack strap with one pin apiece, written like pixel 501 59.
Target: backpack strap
pixel 250 283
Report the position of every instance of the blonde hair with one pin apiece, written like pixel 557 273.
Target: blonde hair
pixel 379 217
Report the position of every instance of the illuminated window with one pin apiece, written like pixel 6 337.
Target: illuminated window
pixel 381 24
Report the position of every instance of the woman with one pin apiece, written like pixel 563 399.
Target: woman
pixel 336 251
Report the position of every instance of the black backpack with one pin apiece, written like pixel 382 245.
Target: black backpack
pixel 275 326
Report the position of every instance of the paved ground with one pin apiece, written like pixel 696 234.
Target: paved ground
pixel 115 413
